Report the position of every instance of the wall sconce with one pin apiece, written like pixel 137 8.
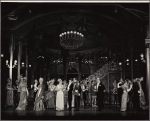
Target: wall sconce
pixel 142 58
pixel 15 64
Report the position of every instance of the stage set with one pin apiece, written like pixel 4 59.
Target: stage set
pixel 46 46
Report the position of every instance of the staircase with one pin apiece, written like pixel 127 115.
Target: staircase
pixel 104 70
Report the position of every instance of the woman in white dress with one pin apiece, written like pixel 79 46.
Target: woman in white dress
pixel 59 96
pixel 126 88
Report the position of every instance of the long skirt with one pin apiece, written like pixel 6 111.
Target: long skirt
pixel 39 103
pixel 23 101
pixel 81 99
pixel 124 101
pixel 73 101
pixel 51 100
pixel 60 101
pixel 142 100
pixel 9 98
pixel 65 98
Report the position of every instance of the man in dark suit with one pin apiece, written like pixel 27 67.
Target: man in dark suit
pixel 70 89
pixel 120 91
pixel 136 102
pixel 100 94
pixel 77 93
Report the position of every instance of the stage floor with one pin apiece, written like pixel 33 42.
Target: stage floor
pixel 88 113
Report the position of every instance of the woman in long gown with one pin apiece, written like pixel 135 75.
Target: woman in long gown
pixel 23 94
pixel 59 96
pixel 65 94
pixel 50 95
pixel 114 91
pixel 142 96
pixel 126 88
pixel 9 95
pixel 39 104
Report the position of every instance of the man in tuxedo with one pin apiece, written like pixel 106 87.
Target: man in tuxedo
pixel 120 91
pixel 77 93
pixel 100 94
pixel 70 89
pixel 136 89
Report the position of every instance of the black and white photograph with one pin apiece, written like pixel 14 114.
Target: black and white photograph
pixel 75 60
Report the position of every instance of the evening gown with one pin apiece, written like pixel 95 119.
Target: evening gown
pixel 39 104
pixel 59 98
pixel 124 97
pixel 51 100
pixel 23 97
pixel 9 96
pixel 142 98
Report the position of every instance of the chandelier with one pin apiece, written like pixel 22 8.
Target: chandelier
pixel 71 40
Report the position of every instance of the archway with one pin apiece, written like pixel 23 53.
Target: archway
pixel 72 72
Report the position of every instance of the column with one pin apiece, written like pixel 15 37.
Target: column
pixel 11 61
pixel 147 45
pixel 80 66
pixel 131 63
pixel 26 63
pixel 19 58
pixel 64 54
pixel 11 56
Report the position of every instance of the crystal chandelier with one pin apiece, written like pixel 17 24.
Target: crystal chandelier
pixel 71 40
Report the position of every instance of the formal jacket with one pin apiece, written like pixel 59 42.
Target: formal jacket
pixel 101 89
pixel 77 88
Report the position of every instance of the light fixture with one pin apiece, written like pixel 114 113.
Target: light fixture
pixel 2 55
pixel 29 65
pixel 142 55
pixel 14 65
pixel 120 63
pixel 127 60
pixel 71 40
pixel 127 64
pixel 136 60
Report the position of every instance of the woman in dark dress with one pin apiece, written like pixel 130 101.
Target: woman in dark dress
pixel 9 96
pixel 50 95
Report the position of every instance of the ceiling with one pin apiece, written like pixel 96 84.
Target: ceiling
pixel 105 26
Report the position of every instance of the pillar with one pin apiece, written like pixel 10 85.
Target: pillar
pixel 26 73
pixel 64 55
pixel 11 57
pixel 19 58
pixel 147 45
pixel 131 63
pixel 11 62
pixel 80 66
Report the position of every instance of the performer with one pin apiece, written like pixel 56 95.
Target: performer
pixel 126 88
pixel 59 96
pixel 136 94
pixel 50 95
pixel 9 96
pixel 39 104
pixel 100 94
pixel 93 93
pixel 88 93
pixel 115 93
pixel 35 87
pixel 120 91
pixel 141 96
pixel 23 94
pixel 77 93
pixel 83 87
pixel 65 93
pixel 70 89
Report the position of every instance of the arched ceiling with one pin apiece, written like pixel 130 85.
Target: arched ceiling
pixel 104 25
